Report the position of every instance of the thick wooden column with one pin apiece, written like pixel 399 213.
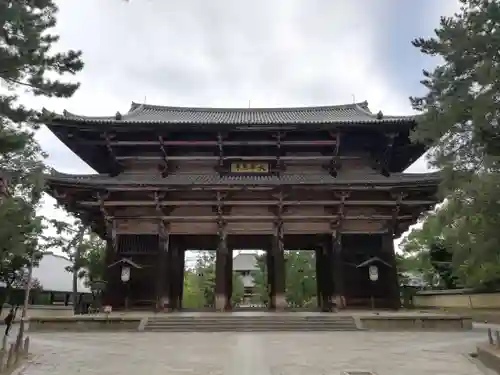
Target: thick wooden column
pixel 229 279
pixel 162 277
pixel 221 271
pixel 327 277
pixel 112 291
pixel 338 270
pixel 175 275
pixel 271 290
pixel 181 266
pixel 319 275
pixel 110 277
pixel 279 268
pixel 390 255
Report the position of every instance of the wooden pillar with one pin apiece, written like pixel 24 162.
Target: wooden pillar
pixel 221 271
pixel 229 279
pixel 174 276
pixel 327 277
pixel 109 293
pixel 279 268
pixel 270 278
pixel 319 275
pixel 389 254
pixel 112 293
pixel 162 277
pixel 182 262
pixel 338 270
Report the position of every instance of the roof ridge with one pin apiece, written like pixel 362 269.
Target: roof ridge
pixel 135 107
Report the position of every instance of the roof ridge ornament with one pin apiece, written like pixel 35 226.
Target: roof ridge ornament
pixel 118 116
pixel 380 115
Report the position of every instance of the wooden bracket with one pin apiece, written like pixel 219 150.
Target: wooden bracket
pixel 399 197
pixel 161 209
pixel 165 167
pixel 117 168
pixel 334 165
pixel 58 195
pixel 220 146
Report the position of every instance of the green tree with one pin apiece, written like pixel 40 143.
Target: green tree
pixel 459 119
pixel 261 288
pixel 93 255
pixel 26 62
pixel 300 278
pixel 199 283
pixel 238 290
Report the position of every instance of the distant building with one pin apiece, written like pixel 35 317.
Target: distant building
pixel 244 264
pixel 52 275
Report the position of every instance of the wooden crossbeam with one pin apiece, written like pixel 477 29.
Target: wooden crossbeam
pixel 388 203
pixel 316 142
pixel 271 218
pixel 237 157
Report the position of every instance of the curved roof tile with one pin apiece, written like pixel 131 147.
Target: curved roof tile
pixel 145 113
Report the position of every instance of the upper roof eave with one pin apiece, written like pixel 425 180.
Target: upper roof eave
pixel 142 114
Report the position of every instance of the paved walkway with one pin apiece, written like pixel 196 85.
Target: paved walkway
pixel 254 353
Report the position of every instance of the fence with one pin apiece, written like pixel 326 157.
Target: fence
pixel 12 355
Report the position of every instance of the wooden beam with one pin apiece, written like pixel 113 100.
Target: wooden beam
pixel 257 218
pixel 241 157
pixel 126 203
pixel 417 186
pixel 317 142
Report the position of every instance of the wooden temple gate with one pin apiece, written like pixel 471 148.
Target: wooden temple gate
pixel 253 178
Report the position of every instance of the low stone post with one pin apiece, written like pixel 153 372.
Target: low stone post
pixel 497 336
pixel 2 359
pixel 26 348
pixel 490 337
pixel 11 356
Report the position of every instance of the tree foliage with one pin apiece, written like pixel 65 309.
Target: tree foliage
pixel 300 278
pixel 460 120
pixel 199 283
pixel 26 63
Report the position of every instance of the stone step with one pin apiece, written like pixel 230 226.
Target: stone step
pixel 250 329
pixel 277 326
pixel 242 324
pixel 269 320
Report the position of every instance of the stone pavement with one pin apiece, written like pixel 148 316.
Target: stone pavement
pixel 390 353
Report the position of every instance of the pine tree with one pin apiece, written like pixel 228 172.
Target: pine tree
pixel 460 119
pixel 27 63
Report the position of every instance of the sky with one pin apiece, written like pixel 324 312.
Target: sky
pixel 228 53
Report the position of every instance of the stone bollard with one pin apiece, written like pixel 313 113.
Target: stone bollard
pixel 4 343
pixel 2 359
pixel 11 356
pixel 26 348
pixel 490 336
pixel 497 337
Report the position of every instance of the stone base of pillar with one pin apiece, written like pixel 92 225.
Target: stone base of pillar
pixel 220 302
pixel 163 304
pixel 280 302
pixel 340 302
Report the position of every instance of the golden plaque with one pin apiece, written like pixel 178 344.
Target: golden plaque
pixel 240 167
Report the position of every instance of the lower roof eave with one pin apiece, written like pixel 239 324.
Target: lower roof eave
pixel 220 187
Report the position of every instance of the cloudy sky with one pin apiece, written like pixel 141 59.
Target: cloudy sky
pixel 229 52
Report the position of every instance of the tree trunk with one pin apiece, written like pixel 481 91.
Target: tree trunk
pixel 76 263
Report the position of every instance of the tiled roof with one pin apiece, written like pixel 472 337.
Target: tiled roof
pixel 153 114
pixel 215 179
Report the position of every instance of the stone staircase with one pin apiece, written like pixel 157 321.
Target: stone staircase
pixel 234 323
